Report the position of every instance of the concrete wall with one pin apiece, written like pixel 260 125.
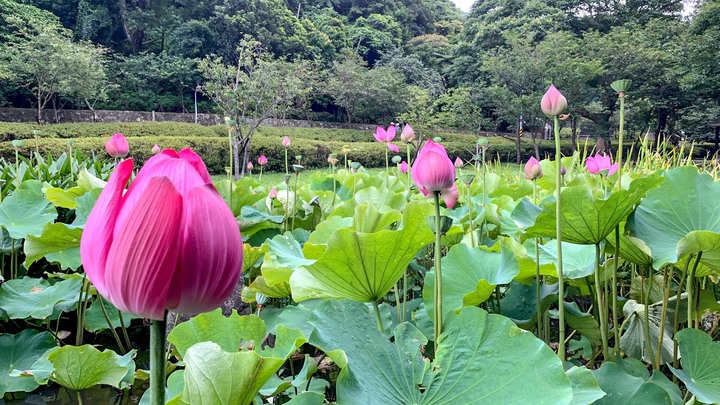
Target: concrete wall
pixel 30 115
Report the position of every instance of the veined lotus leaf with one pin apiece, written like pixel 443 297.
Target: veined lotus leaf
pixel 585 387
pixel 82 367
pixel 284 256
pixel 58 243
pixel 578 260
pixel 372 195
pixel 627 381
pixel 680 218
pixel 700 368
pixel 324 229
pixel 470 276
pixel 260 285
pixel 364 266
pixel 549 169
pixel 20 352
pixel 585 219
pixel 520 305
pixel 369 219
pixel 36 298
pixel 634 342
pixel 234 332
pixel 251 255
pixel 94 319
pixel 480 359
pixel 26 211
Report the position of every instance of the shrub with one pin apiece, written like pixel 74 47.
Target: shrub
pixel 10 130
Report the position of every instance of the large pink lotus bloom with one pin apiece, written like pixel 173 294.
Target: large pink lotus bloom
pixel 262 160
pixel 434 171
pixel 286 142
pixel 169 242
pixel 601 164
pixel 533 170
pixel 393 147
pixel 404 167
pixel 117 146
pixel 382 135
pixel 407 134
pixel 553 103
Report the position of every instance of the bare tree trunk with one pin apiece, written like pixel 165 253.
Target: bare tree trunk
pixel 236 158
pixel 518 149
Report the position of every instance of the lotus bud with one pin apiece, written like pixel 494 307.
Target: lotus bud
pixel 407 134
pixel 117 146
pixel 433 171
pixel 286 142
pixel 155 149
pixel 458 162
pixel 273 193
pixel 533 170
pixel 262 160
pixel 553 103
pixel 404 167
pixel 250 165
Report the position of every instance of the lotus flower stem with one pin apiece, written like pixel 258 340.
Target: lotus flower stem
pixel 438 271
pixel 646 301
pixel 157 361
pixel 613 291
pixel 110 325
pixel 294 213
pixel 537 272
pixel 472 217
pixel 124 330
pixel 619 159
pixel 378 317
pixel 397 301
pixel 676 320
pixel 84 288
pixel 561 278
pixel 387 167
pixel 600 297
pixel 261 170
pixel 407 148
pixel 689 289
pixel 286 161
pixel 404 296
pixel 667 281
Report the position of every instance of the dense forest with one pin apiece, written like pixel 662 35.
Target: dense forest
pixel 420 61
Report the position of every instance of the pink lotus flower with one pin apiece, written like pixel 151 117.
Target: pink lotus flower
pixel 407 134
pixel 155 149
pixel 262 160
pixel 273 193
pixel 458 162
pixel 393 147
pixel 169 242
pixel 434 171
pixel 533 170
pixel 600 164
pixel 286 142
pixel 404 167
pixel 117 146
pixel 553 103
pixel 382 135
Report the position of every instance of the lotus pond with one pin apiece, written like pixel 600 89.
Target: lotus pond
pixel 339 299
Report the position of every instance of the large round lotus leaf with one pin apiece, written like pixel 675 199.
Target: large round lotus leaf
pixel 36 298
pixel 480 359
pixel 700 367
pixel 19 352
pixel 585 219
pixel 26 212
pixel 58 243
pixel 82 367
pixel 628 382
pixel 681 217
pixel 364 266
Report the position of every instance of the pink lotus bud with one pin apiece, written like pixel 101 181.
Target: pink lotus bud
pixel 117 146
pixel 563 170
pixel 458 162
pixel 169 242
pixel 407 134
pixel 286 142
pixel 273 193
pixel 404 167
pixel 250 165
pixel 553 103
pixel 333 161
pixel 533 170
pixel 155 149
pixel 262 160
pixel 392 147
pixel 434 171
pixel 600 164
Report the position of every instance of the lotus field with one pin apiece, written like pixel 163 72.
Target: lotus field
pixel 591 278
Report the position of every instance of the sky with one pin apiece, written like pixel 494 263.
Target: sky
pixel 464 5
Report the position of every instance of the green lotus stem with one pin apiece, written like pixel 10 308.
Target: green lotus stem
pixel 397 300
pixel 600 292
pixel 110 325
pixel 407 186
pixel 261 170
pixel 404 290
pixel 472 217
pixel 230 173
pixel 17 168
pixel 613 291
pixel 85 288
pixel 689 289
pixel 438 271
pixel 676 320
pixel 485 193
pixel 79 397
pixel 286 161
pixel 561 278
pixel 537 271
pixel 387 167
pixel 294 213
pixel 646 301
pixel 157 361
pixel 667 281
pixel 70 156
pixel 332 204
pixel 378 317
pixel 124 330
pixel 620 139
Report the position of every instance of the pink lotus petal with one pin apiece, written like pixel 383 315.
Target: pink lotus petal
pixel 592 165
pixel 97 236
pixel 450 196
pixel 533 170
pixel 612 169
pixel 390 134
pixel 196 162
pixel 380 134
pixel 404 167
pixel 206 277
pixel 553 103
pixel 143 257
pixel 392 147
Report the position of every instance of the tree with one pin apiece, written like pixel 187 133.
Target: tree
pixel 347 84
pixel 249 92
pixel 42 58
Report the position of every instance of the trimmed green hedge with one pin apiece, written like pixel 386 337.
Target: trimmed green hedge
pixel 11 130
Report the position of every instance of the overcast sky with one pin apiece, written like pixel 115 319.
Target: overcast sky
pixel 464 5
